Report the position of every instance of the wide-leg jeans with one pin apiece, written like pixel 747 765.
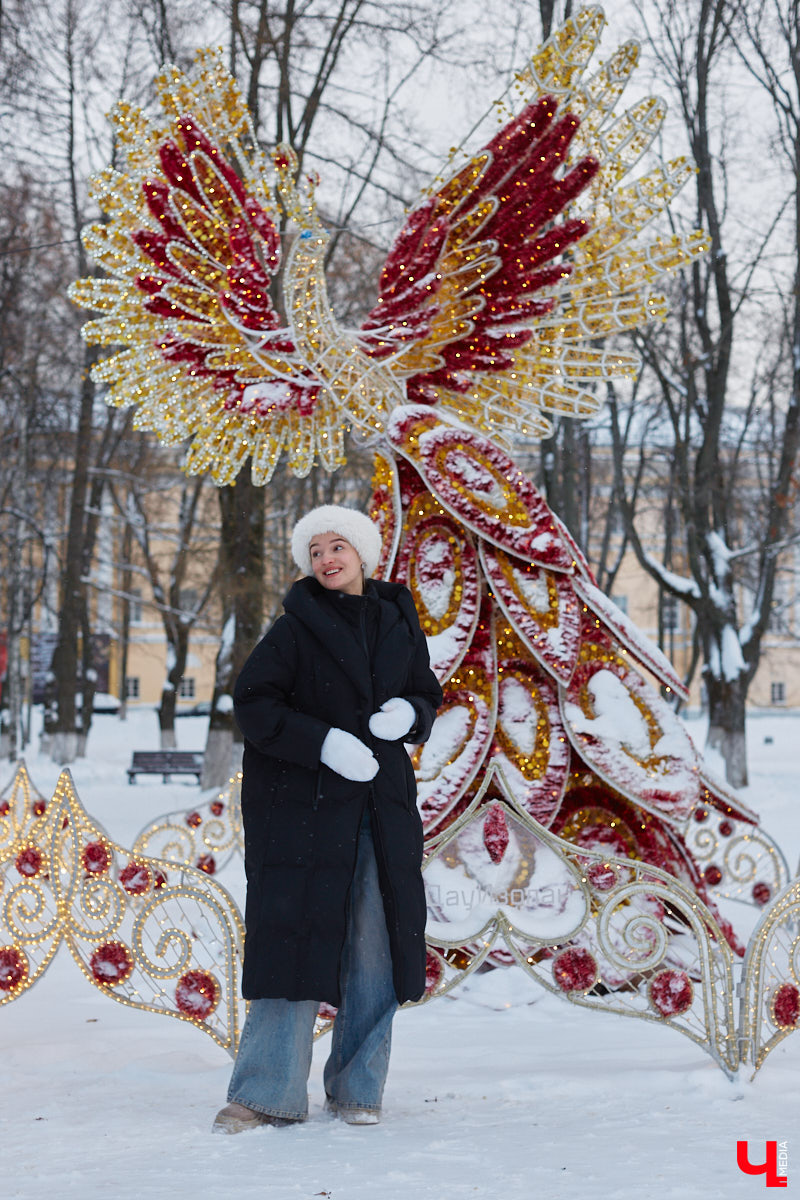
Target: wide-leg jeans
pixel 270 1074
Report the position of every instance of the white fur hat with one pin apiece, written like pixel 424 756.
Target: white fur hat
pixel 354 526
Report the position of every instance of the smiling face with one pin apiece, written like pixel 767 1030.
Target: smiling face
pixel 336 564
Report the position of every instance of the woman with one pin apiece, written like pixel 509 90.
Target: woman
pixel 333 841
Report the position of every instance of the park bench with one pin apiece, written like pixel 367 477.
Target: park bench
pixel 166 763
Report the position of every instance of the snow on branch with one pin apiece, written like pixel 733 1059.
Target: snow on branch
pixel 679 585
pixel 732 664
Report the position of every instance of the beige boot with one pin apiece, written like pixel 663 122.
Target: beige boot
pixel 236 1118
pixel 359 1116
pixel 353 1116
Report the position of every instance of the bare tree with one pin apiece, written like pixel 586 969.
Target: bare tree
pixel 691 371
pixel 54 92
pixel 164 515
pixel 33 273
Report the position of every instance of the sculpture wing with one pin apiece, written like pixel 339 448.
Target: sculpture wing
pixel 493 301
pixel 505 276
pixel 191 248
pixel 481 260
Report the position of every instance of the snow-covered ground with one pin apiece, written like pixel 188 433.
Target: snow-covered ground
pixel 504 1092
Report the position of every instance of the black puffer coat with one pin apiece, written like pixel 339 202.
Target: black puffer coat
pixel 310 672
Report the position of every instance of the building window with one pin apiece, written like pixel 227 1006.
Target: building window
pixel 131 687
pixel 621 603
pixel 669 611
pixel 186 688
pixel 135 603
pixel 778 692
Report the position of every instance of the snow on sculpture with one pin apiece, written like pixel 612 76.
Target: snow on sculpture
pixel 559 792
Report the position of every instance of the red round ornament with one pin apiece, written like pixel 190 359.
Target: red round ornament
pixel 700 815
pixel 135 878
pixel 575 970
pixel 13 968
pixel 96 858
pixel 111 963
pixel 39 807
pixel 762 893
pixel 207 863
pixel 193 820
pixel 671 993
pixel 217 808
pixel 726 828
pixel 786 1006
pixel 29 862
pixel 712 875
pixel 197 994
pixel 5 808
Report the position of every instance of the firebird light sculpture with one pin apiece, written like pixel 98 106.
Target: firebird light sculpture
pixel 570 825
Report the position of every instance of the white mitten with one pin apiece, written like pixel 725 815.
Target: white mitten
pixel 348 756
pixel 393 719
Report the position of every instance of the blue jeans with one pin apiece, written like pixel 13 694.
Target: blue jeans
pixel 270 1074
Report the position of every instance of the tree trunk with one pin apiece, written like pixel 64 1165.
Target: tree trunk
pixel 565 463
pixel 242 590
pixel 178 652
pixel 11 721
pixel 65 669
pixel 168 741
pixel 726 725
pixel 125 623
pixel 547 11
pixel 88 681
